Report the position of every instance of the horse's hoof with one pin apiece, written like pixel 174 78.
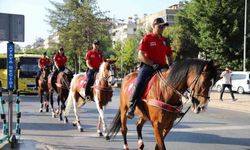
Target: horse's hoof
pixel 100 134
pixel 47 109
pixel 74 124
pixel 140 145
pixel 107 138
pixel 81 129
pixel 40 110
pixel 66 120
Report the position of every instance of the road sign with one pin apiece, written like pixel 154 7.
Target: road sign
pixel 11 65
pixel 11 27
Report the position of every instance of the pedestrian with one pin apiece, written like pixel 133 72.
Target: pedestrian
pixel 226 82
pixel 94 58
pixel 152 53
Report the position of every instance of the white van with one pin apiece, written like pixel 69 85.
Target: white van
pixel 240 82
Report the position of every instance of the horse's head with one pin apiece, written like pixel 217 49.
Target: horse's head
pixel 200 85
pixel 107 71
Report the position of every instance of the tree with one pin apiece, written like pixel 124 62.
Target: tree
pixel 216 27
pixel 78 23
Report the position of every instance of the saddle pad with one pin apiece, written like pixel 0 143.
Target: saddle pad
pixel 131 87
pixel 83 81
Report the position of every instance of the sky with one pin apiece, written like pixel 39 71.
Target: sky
pixel 35 12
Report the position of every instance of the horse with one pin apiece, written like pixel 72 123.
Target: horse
pixel 43 88
pixel 62 83
pixel 161 103
pixel 102 91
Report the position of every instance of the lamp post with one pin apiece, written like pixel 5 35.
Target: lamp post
pixel 245 36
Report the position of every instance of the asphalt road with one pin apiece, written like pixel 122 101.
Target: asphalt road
pixel 218 128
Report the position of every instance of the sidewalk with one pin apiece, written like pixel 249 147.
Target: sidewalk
pixel 242 104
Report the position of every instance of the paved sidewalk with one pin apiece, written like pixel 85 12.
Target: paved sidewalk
pixel 242 104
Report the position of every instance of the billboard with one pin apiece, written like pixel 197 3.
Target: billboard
pixel 11 27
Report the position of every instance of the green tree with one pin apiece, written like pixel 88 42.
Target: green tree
pixel 216 27
pixel 78 23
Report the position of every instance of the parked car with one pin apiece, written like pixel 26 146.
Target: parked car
pixel 240 82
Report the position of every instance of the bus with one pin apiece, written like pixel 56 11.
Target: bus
pixel 25 73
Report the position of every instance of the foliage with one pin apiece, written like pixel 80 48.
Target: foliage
pixel 78 23
pixel 216 28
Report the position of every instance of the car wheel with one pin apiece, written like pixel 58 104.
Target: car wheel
pixel 240 90
pixel 219 88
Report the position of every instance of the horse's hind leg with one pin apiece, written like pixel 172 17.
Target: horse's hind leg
pixel 124 128
pixel 139 126
pixel 77 112
pixel 47 102
pixel 52 103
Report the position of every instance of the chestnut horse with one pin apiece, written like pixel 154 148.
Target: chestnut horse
pixel 62 83
pixel 43 88
pixel 162 103
pixel 102 92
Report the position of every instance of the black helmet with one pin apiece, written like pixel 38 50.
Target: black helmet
pixel 45 53
pixel 96 42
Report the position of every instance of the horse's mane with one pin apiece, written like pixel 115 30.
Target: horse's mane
pixel 180 69
pixel 102 69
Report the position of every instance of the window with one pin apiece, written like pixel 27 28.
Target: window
pixel 238 76
pixel 3 63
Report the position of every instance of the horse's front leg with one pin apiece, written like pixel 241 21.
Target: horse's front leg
pixel 41 102
pixel 47 101
pixel 52 103
pixel 158 130
pixel 139 126
pixel 101 110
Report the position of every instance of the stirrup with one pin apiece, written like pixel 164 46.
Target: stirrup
pixel 130 114
pixel 88 98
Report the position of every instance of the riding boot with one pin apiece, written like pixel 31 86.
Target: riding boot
pixel 36 83
pixel 131 109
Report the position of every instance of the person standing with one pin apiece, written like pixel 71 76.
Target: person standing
pixel 42 62
pixel 154 53
pixel 94 58
pixel 226 82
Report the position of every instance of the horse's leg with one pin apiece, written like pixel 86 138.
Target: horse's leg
pixel 52 103
pixel 47 101
pixel 139 126
pixel 77 112
pixel 41 101
pixel 124 128
pixel 99 123
pixel 160 145
pixel 101 115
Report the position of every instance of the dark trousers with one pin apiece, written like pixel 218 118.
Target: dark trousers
pixel 90 81
pixel 144 75
pixel 54 75
pixel 229 86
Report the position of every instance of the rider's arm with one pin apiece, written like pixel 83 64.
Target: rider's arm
pixel 144 59
pixel 88 64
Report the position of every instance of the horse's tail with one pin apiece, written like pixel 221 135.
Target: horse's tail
pixel 69 103
pixel 115 125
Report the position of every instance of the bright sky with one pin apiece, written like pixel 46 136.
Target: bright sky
pixel 35 13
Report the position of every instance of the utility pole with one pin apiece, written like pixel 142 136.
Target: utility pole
pixel 245 37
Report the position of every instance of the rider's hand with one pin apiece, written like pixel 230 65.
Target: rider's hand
pixel 156 66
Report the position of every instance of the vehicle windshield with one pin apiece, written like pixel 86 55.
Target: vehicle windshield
pixel 28 67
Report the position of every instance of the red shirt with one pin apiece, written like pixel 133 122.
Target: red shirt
pixel 43 62
pixel 94 57
pixel 60 60
pixel 155 48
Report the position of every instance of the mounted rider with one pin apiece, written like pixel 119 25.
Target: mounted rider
pixel 60 61
pixel 94 58
pixel 42 63
pixel 154 53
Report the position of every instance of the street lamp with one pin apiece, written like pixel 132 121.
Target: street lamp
pixel 245 36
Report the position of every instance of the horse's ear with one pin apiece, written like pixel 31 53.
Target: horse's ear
pixel 105 60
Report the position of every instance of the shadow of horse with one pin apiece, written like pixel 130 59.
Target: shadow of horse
pixel 162 104
pixel 62 83
pixel 43 90
pixel 102 92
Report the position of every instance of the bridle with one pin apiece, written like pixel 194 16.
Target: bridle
pixel 190 91
pixel 112 75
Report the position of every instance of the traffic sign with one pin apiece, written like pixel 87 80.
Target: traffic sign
pixel 11 65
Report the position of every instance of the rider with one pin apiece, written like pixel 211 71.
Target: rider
pixel 154 54
pixel 42 62
pixel 60 60
pixel 94 58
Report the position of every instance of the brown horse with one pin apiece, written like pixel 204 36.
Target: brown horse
pixel 43 89
pixel 162 104
pixel 62 83
pixel 102 92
